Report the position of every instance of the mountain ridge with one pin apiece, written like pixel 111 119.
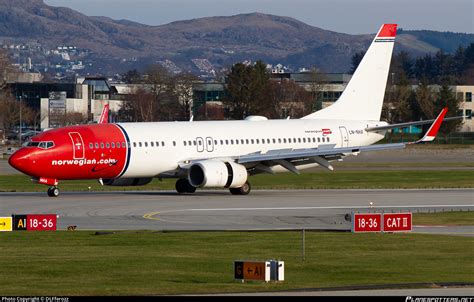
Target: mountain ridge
pixel 223 40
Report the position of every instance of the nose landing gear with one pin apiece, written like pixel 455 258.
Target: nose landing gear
pixel 53 191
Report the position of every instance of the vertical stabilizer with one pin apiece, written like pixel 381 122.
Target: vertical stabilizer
pixel 363 97
pixel 104 116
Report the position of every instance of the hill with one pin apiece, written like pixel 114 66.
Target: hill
pixel 108 46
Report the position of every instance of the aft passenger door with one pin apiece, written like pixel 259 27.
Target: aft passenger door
pixel 344 136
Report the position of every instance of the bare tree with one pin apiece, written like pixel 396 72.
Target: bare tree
pixel 182 92
pixel 60 118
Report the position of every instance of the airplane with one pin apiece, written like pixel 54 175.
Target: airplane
pixel 222 154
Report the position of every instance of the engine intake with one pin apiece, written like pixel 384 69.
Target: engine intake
pixel 121 182
pixel 216 173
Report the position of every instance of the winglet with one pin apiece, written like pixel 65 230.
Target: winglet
pixel 104 116
pixel 431 133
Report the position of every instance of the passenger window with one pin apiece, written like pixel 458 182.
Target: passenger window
pixel 327 140
pixel 162 144
pixel 257 141
pixel 284 140
pixel 102 145
pixel 194 143
pixel 274 141
pixel 107 145
pixel 91 146
pixel 294 139
pixel 152 144
pixel 279 140
pixel 319 139
pixel 157 144
pixel 242 141
pixel 113 145
pixel 215 142
pixel 231 141
pixel 299 140
pixel 268 140
pixel 140 144
pixel 251 141
pixel 97 145
pixel 190 143
pixel 174 143
pixel 236 141
pixel 226 141
pixel 123 145
pixel 184 143
pixel 263 141
pixel 304 140
pixel 314 139
pixel 146 144
pixel 222 142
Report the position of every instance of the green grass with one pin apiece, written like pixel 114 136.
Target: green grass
pixel 444 218
pixel 310 180
pixel 150 263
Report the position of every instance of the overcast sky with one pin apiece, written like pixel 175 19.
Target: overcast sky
pixel 353 17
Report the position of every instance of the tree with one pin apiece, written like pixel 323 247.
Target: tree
pixel 182 92
pixel 131 77
pixel 356 59
pixel 446 97
pixel 288 99
pixel 245 90
pixel 60 118
pixel 6 69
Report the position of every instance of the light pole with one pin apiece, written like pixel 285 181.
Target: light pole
pixel 21 96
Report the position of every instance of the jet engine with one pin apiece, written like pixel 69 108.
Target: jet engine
pixel 120 182
pixel 217 173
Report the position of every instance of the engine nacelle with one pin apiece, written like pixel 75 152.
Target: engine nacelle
pixel 120 182
pixel 217 173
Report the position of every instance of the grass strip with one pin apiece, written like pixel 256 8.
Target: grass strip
pixel 153 263
pixel 353 179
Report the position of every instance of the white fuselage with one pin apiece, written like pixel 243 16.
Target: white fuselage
pixel 160 147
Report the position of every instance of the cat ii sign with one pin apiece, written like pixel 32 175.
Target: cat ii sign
pixel 381 222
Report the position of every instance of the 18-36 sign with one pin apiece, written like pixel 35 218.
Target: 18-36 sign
pixel 367 222
pixel 35 222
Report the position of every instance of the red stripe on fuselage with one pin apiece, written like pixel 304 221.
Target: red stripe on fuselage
pixel 106 158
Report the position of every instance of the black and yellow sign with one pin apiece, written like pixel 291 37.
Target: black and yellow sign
pixel 19 222
pixel 250 270
pixel 5 224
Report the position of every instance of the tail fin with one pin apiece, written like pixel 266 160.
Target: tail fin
pixel 363 97
pixel 104 116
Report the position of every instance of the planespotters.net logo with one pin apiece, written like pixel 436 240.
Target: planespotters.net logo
pixel 83 162
pixel 439 299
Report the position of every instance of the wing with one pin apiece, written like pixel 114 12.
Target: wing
pixel 261 162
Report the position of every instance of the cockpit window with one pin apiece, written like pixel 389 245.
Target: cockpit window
pixel 42 145
pixel 31 144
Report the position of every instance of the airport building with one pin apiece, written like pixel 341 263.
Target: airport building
pixel 88 95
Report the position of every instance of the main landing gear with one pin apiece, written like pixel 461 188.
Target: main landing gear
pixel 243 190
pixel 53 191
pixel 183 186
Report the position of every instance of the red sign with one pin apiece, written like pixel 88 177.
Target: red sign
pixel 367 222
pixel 397 222
pixel 41 222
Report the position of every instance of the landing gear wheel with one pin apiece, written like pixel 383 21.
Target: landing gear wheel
pixel 183 186
pixel 53 192
pixel 243 190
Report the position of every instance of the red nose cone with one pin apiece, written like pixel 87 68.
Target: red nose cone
pixel 21 160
